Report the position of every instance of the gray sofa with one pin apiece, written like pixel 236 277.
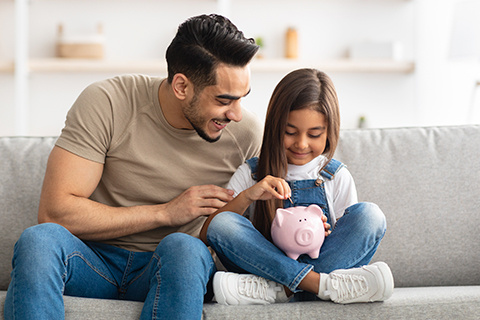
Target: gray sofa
pixel 427 181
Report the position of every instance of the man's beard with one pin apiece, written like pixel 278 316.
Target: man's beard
pixel 203 134
pixel 192 115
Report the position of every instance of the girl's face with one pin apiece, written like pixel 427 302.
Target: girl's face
pixel 305 136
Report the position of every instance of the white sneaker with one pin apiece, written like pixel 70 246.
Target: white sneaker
pixel 234 289
pixel 366 284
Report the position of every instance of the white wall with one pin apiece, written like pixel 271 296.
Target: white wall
pixel 445 86
pixel 326 29
pixel 438 92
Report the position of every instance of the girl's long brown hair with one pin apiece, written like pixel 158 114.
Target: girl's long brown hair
pixel 300 89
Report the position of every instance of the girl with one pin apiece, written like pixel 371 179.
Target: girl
pixel 296 168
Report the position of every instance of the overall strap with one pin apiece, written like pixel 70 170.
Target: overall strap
pixel 332 167
pixel 253 163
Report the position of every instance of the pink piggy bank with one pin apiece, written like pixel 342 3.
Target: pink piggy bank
pixel 299 230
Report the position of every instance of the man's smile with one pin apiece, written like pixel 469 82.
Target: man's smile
pixel 220 124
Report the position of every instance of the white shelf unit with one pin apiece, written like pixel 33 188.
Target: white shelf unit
pixel 258 65
pixel 23 65
pixel 158 66
pixel 334 65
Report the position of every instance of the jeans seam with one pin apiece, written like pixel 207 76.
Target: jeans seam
pixel 157 292
pixel 78 254
pixel 13 294
pixel 124 284
pixel 302 274
pixel 154 256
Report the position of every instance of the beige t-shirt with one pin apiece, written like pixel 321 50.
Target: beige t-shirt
pixel 119 122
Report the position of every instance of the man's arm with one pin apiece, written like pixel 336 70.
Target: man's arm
pixel 70 180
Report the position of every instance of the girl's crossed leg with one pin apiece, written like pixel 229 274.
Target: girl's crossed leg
pixel 336 274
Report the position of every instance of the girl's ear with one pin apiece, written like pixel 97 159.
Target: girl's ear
pixel 181 85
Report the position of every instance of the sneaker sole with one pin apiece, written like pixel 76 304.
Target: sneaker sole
pixel 219 295
pixel 387 278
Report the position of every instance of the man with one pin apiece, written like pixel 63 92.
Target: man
pixel 139 165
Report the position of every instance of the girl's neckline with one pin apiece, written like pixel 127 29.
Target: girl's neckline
pixel 305 168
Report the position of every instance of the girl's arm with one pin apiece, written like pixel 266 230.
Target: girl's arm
pixel 268 188
pixel 344 192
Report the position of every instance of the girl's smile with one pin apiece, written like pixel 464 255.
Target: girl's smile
pixel 305 136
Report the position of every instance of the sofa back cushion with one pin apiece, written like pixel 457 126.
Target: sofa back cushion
pixel 427 182
pixel 22 167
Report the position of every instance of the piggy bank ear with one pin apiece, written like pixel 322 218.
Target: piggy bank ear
pixel 315 209
pixel 280 216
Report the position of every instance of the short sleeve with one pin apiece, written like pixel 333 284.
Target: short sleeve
pixel 344 193
pixel 88 126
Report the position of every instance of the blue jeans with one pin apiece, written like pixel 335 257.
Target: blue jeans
pixel 243 249
pixel 49 262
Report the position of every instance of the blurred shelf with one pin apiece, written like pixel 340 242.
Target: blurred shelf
pixel 6 66
pixel 258 65
pixel 92 65
pixel 335 65
pixel 21 67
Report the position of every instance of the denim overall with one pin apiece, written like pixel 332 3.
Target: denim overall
pixel 352 243
pixel 310 191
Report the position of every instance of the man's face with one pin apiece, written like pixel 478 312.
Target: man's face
pixel 210 110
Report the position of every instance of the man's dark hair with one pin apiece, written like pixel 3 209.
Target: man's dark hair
pixel 204 41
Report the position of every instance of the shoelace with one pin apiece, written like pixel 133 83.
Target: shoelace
pixel 348 286
pixel 254 287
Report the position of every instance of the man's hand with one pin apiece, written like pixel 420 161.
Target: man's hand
pixel 195 202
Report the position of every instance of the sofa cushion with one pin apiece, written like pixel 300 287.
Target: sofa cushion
pixel 427 182
pixel 22 167
pixel 405 303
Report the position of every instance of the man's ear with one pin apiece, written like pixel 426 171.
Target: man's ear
pixel 181 86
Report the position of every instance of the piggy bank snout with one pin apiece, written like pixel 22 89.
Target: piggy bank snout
pixel 304 237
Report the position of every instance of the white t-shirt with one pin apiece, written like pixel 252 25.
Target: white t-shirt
pixel 340 191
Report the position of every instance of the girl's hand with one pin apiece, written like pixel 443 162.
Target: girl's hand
pixel 326 225
pixel 269 188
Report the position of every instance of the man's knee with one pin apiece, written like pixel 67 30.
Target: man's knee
pixel 42 237
pixel 183 255
pixel 39 246
pixel 182 247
